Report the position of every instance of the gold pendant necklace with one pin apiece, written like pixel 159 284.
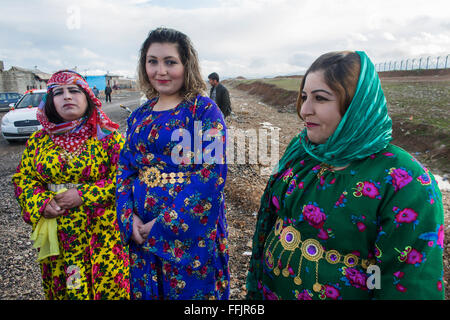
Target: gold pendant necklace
pixel 68 156
pixel 324 167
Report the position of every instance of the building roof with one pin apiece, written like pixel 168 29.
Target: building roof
pixel 38 73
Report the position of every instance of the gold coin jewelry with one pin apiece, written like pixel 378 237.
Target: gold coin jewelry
pixel 297 280
pixel 311 249
pixel 269 255
pixel 317 286
pixel 350 260
pixel 278 226
pixel 285 271
pixel 277 269
pixel 67 156
pixel 333 256
pixel 290 238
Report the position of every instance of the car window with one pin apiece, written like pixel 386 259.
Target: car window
pixel 13 96
pixel 2 96
pixel 30 99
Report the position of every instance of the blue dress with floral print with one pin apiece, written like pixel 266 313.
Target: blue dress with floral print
pixel 186 254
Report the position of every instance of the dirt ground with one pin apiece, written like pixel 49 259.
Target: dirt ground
pixel 19 272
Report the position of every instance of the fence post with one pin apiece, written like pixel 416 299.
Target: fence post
pixel 437 63
pixel 428 59
pixel 446 58
pixel 406 67
pixel 420 62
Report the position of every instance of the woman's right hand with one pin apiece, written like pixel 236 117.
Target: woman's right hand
pixel 52 210
pixel 137 225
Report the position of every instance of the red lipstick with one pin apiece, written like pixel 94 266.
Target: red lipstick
pixel 311 124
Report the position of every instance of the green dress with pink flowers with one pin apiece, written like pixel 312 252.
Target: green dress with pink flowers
pixel 374 230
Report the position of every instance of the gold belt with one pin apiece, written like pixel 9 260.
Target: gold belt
pixel 153 177
pixel 57 187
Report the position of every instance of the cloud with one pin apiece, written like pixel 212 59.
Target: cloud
pixel 389 36
pixel 86 53
pixel 301 59
pixel 251 38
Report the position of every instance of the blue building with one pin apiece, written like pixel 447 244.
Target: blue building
pixel 98 81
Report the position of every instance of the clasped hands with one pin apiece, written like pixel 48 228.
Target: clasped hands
pixel 62 202
pixel 141 230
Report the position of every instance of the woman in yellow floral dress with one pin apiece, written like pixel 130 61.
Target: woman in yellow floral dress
pixel 67 175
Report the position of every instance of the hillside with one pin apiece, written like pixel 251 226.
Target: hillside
pixel 418 102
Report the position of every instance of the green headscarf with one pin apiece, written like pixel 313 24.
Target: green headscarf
pixel 365 128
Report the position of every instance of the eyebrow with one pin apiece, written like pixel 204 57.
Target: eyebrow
pixel 71 87
pixel 168 57
pixel 320 90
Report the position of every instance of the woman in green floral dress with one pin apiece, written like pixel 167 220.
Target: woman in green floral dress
pixel 347 215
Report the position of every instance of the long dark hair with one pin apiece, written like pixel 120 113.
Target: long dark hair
pixel 193 82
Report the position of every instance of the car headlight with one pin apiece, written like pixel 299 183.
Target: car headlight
pixel 5 121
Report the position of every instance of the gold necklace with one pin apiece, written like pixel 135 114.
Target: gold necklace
pixel 324 167
pixel 68 156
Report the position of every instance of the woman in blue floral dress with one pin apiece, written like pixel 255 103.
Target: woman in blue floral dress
pixel 171 177
pixel 347 215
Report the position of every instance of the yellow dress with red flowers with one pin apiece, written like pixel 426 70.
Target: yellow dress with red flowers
pixel 92 263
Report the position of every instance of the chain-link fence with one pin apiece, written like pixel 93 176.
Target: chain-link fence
pixel 421 63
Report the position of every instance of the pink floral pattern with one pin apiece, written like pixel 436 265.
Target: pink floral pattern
pixel 384 210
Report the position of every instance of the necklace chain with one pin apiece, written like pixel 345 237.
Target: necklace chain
pixel 323 168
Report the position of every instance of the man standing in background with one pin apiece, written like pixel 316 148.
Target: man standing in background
pixel 219 94
pixel 108 91
pixel 95 91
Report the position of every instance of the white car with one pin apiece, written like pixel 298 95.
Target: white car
pixel 21 122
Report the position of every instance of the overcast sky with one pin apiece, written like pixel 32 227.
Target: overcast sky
pixel 250 38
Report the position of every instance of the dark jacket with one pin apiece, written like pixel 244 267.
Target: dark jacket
pixel 222 99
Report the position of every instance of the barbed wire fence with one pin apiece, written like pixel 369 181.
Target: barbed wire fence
pixel 421 63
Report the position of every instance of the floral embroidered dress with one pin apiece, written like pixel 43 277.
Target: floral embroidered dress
pixel 317 235
pixel 92 263
pixel 374 230
pixel 186 254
